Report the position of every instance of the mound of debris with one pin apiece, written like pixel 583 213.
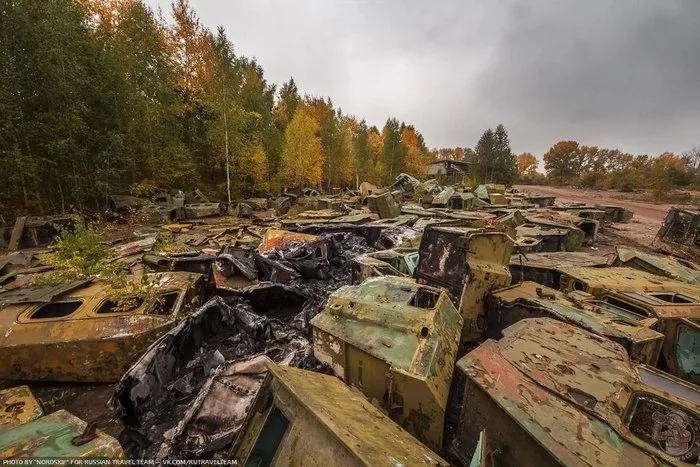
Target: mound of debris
pixel 270 317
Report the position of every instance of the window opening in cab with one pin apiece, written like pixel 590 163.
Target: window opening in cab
pixel 680 226
pixel 425 298
pixel 269 439
pixel 688 352
pixel 660 381
pixel 664 425
pixel 56 309
pixel 125 305
pixel 694 234
pixel 672 297
pixel 165 304
pixel 625 306
pixel 617 311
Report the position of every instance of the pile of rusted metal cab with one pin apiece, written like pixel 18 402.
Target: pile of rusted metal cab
pixel 413 324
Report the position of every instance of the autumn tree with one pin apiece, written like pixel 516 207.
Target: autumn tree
pixel 191 50
pixel 527 166
pixel 287 103
pixel 669 170
pixel 258 168
pixel 302 154
pixel 416 155
pixel 105 15
pixel 375 139
pixel 563 161
pixel 258 96
pixel 151 127
pixel 346 163
pixel 393 151
pixel 364 160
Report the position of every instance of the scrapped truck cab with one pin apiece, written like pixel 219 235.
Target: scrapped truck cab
pixel 85 333
pixel 305 418
pixel 397 262
pixel 550 393
pixel 396 341
pixel 467 263
pixel 634 333
pixel 675 304
pixel 679 234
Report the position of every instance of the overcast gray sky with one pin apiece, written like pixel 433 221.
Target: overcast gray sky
pixel 616 73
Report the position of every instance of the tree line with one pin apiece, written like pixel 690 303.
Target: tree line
pixel 105 96
pixel 570 163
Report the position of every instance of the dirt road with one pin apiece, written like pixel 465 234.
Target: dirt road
pixel 647 216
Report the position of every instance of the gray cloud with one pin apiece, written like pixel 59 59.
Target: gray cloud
pixel 617 73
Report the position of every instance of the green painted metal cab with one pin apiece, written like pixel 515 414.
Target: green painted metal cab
pixel 531 300
pixel 396 341
pixel 306 418
pixel 675 304
pixel 550 393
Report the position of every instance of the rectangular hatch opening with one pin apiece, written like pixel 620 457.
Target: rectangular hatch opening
pixel 425 298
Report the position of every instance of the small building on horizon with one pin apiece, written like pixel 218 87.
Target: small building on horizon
pixel 448 171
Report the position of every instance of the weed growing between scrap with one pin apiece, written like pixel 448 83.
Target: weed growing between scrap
pixel 168 244
pixel 77 255
pixel 81 254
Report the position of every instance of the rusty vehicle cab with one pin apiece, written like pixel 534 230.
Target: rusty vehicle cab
pixel 549 235
pixel 397 262
pixel 507 306
pixel 679 234
pixel 588 226
pixel 550 393
pixel 305 418
pixel 547 268
pixel 675 304
pixel 84 335
pixel 661 265
pixel 25 432
pixel 396 341
pixel 615 214
pixel 467 263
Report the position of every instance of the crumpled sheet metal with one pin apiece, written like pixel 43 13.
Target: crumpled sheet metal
pixel 666 266
pixel 267 318
pixel 220 411
pixel 155 394
pixel 41 294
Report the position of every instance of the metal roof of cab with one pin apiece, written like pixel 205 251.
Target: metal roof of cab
pixel 365 431
pixel 662 265
pixel 637 285
pixel 559 259
pixel 569 389
pixel 598 320
pixel 87 290
pixel 630 280
pixel 378 318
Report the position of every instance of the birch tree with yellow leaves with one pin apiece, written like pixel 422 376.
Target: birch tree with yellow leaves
pixel 302 155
